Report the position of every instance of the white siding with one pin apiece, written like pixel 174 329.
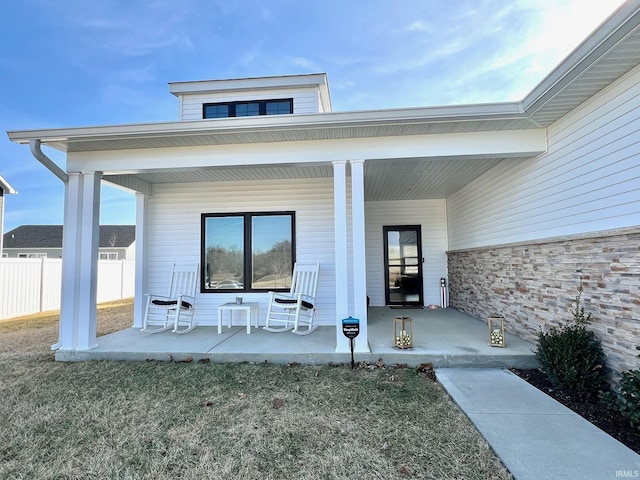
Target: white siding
pixel 305 100
pixel 431 215
pixel 173 231
pixel 589 180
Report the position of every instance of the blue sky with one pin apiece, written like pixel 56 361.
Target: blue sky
pixel 76 62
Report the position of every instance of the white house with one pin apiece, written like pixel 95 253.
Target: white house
pixel 388 201
pixel 116 242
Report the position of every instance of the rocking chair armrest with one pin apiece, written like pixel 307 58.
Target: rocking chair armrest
pixel 153 295
pixel 282 295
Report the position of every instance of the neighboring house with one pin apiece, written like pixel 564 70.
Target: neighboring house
pixel 501 200
pixel 5 189
pixel 116 242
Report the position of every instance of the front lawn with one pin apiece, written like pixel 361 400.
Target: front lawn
pixel 222 421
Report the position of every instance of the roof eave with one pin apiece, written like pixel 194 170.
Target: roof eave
pixel 611 31
pixel 4 185
pixel 58 137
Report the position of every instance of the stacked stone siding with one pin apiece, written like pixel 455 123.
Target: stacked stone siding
pixel 534 286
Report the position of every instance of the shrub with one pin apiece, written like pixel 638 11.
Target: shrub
pixel 572 356
pixel 627 401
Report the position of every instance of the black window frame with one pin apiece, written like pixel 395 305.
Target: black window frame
pixel 262 107
pixel 248 250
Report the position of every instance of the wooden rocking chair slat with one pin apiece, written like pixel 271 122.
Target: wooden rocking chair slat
pixel 162 312
pixel 290 311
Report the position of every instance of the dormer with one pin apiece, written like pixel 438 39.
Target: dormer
pixel 290 94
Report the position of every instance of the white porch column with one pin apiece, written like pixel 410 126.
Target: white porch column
pixel 81 235
pixel 341 257
pixel 359 255
pixel 67 329
pixel 141 270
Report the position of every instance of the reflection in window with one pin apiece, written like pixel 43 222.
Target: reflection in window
pixel 248 109
pixel 279 107
pixel 224 252
pixel 272 252
pixel 248 251
pixel 216 111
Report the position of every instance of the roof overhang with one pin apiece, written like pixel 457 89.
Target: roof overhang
pixel 284 128
pixel 610 52
pixel 5 187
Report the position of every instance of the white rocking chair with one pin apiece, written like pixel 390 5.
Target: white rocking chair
pixel 296 308
pixel 176 309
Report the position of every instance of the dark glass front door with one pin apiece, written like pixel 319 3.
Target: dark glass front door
pixel 403 265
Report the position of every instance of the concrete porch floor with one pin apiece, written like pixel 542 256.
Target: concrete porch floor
pixel 443 337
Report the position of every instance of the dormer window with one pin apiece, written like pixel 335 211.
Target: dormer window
pixel 247 109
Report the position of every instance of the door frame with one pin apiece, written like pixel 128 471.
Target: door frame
pixel 387 293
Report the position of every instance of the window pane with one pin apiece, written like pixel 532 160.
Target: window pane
pixel 216 111
pixel 224 253
pixel 279 108
pixel 271 238
pixel 247 109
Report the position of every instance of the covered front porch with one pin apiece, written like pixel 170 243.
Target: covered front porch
pixel 341 180
pixel 442 337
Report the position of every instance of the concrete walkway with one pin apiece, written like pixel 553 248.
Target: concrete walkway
pixel 536 437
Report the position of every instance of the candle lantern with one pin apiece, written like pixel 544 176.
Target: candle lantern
pixel 496 332
pixel 403 332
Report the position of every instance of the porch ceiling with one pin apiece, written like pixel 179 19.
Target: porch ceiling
pixel 385 179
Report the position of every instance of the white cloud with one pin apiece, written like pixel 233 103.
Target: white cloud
pixel 415 26
pixel 305 63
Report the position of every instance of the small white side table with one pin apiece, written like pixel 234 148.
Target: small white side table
pixel 252 309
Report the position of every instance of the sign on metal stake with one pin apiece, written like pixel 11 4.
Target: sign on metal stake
pixel 351 329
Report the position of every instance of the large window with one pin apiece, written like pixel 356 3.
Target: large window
pixel 247 251
pixel 247 109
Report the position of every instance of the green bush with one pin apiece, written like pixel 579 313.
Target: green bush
pixel 628 399
pixel 572 356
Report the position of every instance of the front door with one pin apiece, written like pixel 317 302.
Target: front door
pixel 403 265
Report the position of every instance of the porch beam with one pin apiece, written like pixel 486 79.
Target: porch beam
pixel 500 144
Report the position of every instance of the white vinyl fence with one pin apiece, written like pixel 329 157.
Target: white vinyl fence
pixel 31 285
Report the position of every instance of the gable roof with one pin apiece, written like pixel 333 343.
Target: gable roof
pixel 50 236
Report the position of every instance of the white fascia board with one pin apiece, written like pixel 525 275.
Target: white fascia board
pixel 502 144
pixel 245 84
pixel 59 136
pixel 4 185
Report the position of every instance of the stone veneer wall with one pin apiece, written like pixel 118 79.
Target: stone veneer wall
pixel 534 285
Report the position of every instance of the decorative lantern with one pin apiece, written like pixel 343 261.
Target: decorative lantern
pixel 496 332
pixel 402 332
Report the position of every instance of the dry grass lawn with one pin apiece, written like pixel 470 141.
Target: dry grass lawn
pixel 150 420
